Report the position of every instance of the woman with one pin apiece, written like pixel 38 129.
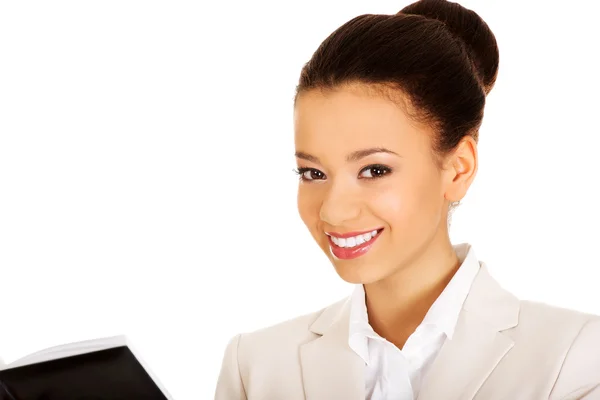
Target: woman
pixel 387 113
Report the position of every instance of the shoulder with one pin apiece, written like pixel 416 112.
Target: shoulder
pixel 571 337
pixel 552 327
pixel 284 337
pixel 538 313
pixel 291 332
pixel 271 354
pixel 554 320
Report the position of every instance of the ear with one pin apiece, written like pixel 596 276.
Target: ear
pixel 461 168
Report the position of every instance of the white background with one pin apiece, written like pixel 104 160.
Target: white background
pixel 146 184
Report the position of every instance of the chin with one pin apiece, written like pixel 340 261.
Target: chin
pixel 357 272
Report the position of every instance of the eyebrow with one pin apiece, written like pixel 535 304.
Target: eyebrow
pixel 352 157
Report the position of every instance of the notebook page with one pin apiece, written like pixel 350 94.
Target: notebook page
pixel 70 349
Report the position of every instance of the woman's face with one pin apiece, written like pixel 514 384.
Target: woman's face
pixel 370 192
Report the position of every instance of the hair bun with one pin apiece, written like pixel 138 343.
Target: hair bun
pixel 469 27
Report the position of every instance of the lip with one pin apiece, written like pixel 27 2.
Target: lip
pixel 350 234
pixel 349 253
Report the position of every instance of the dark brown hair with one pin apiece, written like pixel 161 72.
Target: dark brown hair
pixel 441 56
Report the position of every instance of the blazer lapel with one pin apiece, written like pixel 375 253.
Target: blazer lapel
pixel 478 344
pixel 330 369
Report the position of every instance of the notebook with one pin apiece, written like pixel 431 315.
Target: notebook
pixel 100 369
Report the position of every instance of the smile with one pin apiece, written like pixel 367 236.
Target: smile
pixel 352 245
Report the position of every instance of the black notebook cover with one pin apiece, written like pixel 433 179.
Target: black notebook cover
pixel 112 374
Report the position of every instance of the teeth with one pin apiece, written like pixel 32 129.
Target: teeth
pixel 353 241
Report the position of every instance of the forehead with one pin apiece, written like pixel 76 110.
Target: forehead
pixel 350 118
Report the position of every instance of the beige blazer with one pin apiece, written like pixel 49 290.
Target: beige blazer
pixel 502 349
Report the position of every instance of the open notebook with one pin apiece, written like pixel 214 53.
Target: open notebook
pixel 101 369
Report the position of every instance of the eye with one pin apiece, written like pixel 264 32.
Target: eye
pixel 309 174
pixel 374 171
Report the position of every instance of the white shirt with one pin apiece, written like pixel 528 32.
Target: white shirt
pixel 394 374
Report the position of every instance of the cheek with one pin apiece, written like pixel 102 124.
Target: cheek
pixel 407 205
pixel 393 205
pixel 308 206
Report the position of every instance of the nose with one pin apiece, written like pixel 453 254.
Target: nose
pixel 340 205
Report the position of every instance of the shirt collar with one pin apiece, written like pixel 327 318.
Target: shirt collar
pixel 443 314
pixel 360 330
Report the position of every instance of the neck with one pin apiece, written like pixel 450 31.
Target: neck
pixel 397 305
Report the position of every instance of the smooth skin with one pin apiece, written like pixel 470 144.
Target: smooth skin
pixel 364 164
